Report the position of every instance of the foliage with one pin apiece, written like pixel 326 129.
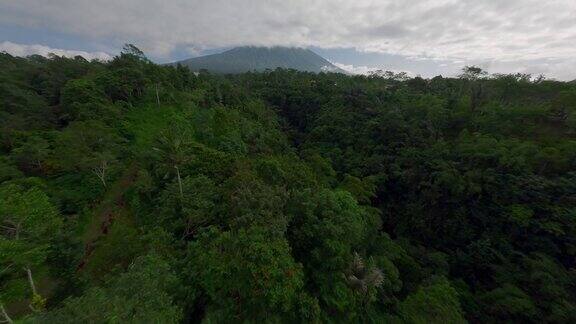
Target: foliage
pixel 142 294
pixel 133 192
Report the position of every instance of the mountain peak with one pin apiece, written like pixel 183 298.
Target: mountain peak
pixel 255 58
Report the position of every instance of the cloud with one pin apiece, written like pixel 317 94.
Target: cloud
pixel 438 30
pixel 365 70
pixel 355 69
pixel 25 50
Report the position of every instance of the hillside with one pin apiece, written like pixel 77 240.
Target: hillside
pixel 249 58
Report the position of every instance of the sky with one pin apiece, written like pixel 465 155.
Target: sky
pixel 421 37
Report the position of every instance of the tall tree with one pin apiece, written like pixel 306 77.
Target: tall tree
pixel 28 220
pixel 173 147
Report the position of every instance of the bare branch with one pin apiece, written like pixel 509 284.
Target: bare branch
pixel 7 318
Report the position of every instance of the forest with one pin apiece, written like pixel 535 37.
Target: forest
pixel 132 192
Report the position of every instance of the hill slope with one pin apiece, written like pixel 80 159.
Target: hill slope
pixel 249 58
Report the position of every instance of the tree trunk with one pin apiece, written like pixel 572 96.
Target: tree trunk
pixel 101 172
pixel 179 182
pixel 7 318
pixel 34 305
pixel 31 281
pixel 104 167
pixel 157 96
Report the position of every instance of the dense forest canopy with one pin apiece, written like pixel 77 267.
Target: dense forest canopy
pixel 137 193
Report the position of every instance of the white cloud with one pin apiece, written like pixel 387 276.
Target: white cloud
pixel 355 69
pixel 438 30
pixel 25 50
pixel 366 70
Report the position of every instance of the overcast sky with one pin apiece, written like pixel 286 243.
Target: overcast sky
pixel 426 37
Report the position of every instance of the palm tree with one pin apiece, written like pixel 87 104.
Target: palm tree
pixel 362 278
pixel 172 147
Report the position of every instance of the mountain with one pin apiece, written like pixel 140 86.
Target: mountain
pixel 250 58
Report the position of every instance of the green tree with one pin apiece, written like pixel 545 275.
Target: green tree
pixel 248 274
pixel 88 146
pixel 327 227
pixel 174 148
pixel 363 278
pixel 436 303
pixel 196 207
pixel 143 294
pixel 28 221
pixel 33 154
